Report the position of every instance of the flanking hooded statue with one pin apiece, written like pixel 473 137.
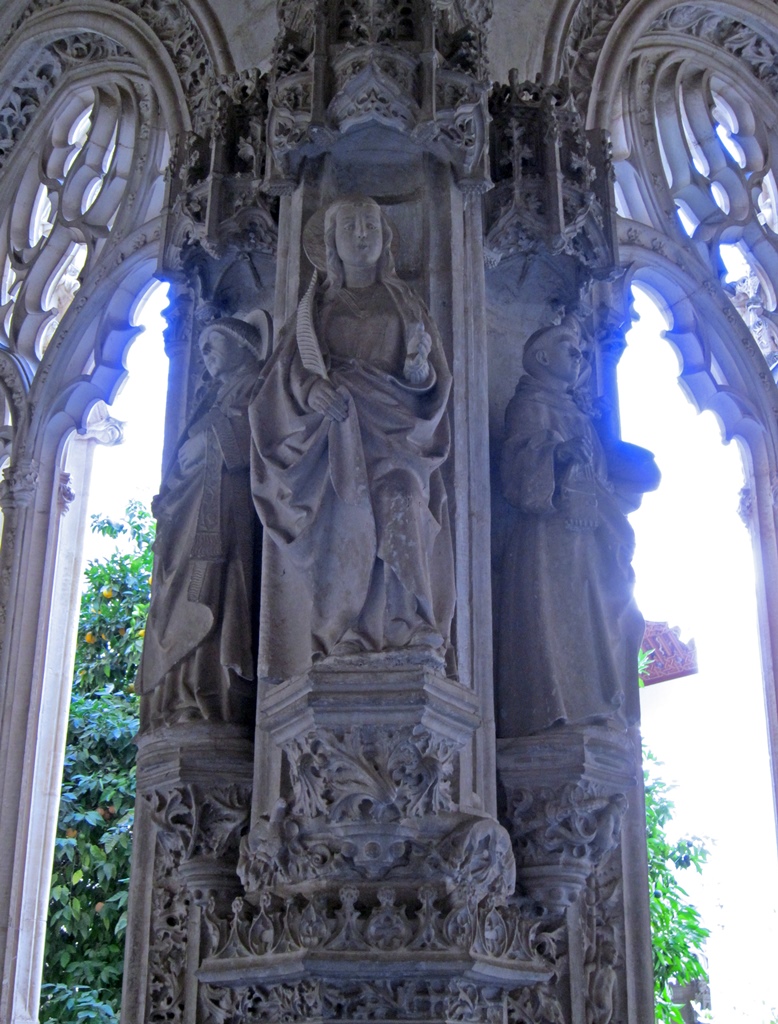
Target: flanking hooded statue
pixel 199 652
pixel 350 431
pixel 569 630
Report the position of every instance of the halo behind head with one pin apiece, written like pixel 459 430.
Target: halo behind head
pixel 319 238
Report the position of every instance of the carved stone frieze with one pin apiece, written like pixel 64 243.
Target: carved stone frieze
pixel 312 999
pixel 403 919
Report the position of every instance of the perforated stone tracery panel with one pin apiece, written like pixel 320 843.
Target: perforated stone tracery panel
pixel 697 149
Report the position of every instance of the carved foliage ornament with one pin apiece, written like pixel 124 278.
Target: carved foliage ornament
pixel 173 24
pixel 29 91
pixel 170 907
pixel 204 822
pixel 371 774
pixel 725 33
pixel 411 1000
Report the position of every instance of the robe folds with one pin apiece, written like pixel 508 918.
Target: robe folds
pixel 569 628
pixel 200 645
pixel 355 512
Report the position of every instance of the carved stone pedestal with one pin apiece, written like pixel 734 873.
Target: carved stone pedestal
pixel 368 892
pixel 194 788
pixel 566 793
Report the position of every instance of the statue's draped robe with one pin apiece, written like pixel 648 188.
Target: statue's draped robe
pixel 569 629
pixel 358 542
pixel 199 650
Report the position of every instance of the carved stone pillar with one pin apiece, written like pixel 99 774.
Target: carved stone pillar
pixel 566 795
pixel 194 802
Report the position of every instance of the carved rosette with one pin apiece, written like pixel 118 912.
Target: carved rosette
pixel 419 70
pixel 552 194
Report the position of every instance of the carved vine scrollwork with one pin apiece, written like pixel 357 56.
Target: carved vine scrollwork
pixel 410 1000
pixel 603 939
pixel 168 947
pixel 371 774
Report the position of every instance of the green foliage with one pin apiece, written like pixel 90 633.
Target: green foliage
pixel 645 660
pixel 677 933
pixel 87 914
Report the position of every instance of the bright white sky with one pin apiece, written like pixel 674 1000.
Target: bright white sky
pixel 133 469
pixel 695 570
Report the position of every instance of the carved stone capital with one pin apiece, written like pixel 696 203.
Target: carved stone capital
pixel 18 486
pixel 565 795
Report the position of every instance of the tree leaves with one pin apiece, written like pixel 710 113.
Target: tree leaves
pixel 677 932
pixel 90 882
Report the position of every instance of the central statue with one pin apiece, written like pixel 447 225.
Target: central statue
pixel 350 431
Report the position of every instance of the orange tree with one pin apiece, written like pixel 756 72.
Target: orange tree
pixel 87 915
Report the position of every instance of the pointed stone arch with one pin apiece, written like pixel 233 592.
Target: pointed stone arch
pixel 154 76
pixel 666 79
